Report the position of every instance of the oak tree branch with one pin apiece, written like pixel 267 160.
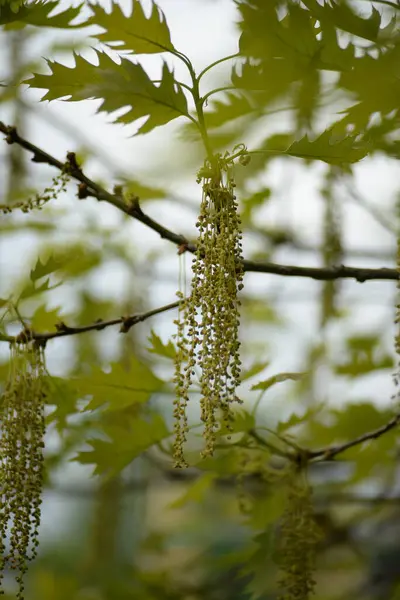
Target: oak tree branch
pixel 132 208
pixel 64 330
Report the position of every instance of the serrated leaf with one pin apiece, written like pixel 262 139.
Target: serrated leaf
pixel 119 388
pixel 294 420
pixel 41 269
pixel 271 78
pixel 330 148
pixel 332 56
pixel 45 320
pixel 118 86
pixel 141 34
pixel 126 444
pixel 233 107
pixel 383 96
pixel 341 15
pixel 265 35
pixel 38 13
pixel 34 288
pixel 157 347
pixel 61 394
pixel 196 491
pixel 267 383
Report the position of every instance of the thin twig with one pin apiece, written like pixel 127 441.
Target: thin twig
pixel 305 456
pixel 64 330
pixel 273 449
pixel 331 452
pixel 132 208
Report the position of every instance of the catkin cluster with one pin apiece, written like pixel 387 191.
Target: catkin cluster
pixel 298 539
pixel 208 322
pixel 21 458
pixel 57 186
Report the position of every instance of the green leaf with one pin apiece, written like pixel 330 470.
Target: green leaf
pixel 267 383
pixel 34 288
pixel 360 418
pixel 243 421
pixel 53 263
pixel 37 13
pixel 197 491
pixel 120 387
pixel 307 98
pixel 125 444
pixel 255 369
pixel 256 200
pixel 265 35
pixel 118 86
pixel 73 260
pixel 330 148
pixel 62 395
pixel 295 420
pixel 364 355
pixel 383 96
pixel 272 79
pixel 45 320
pixel 332 57
pixel 341 15
pixel 235 106
pixel 141 34
pixel 143 191
pixel 373 458
pixel 157 347
pixel 267 509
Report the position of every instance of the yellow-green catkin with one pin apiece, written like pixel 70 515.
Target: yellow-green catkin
pixel 332 248
pixel 21 458
pixel 38 201
pixel 298 540
pixel 208 323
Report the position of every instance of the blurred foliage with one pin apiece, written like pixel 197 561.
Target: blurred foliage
pixel 139 529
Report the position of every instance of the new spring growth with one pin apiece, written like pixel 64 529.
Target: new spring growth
pixel 208 322
pixel 52 192
pixel 299 538
pixel 21 457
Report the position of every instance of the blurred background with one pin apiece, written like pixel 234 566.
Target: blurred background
pixel 151 532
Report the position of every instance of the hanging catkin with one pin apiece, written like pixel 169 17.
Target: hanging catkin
pixel 21 457
pixel 298 539
pixel 208 322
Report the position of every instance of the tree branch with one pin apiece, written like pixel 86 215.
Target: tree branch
pixel 331 452
pixel 63 329
pixel 132 208
pixel 360 274
pixel 304 456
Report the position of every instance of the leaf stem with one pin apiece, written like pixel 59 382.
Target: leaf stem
pixel 217 62
pixel 221 89
pixel 198 101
